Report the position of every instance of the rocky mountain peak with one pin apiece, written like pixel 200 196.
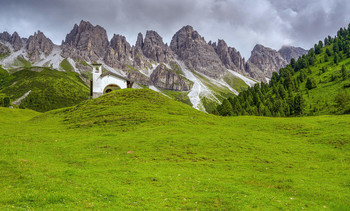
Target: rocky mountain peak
pixel 222 50
pixel 139 42
pixel 5 37
pixel 197 55
pixel 86 41
pixel 37 44
pixel 14 39
pixel 289 52
pixel 229 56
pixel 155 49
pixel 267 60
pixel 118 53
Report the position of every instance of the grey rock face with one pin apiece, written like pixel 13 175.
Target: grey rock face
pixel 85 42
pixel 289 52
pixel 5 37
pixel 4 50
pixel 230 57
pixel 138 77
pixel 165 78
pixel 15 40
pixel 267 60
pixel 254 72
pixel 139 42
pixel 119 52
pixel 197 55
pixel 154 48
pixel 37 44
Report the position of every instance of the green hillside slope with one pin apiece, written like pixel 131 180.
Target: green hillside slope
pixel 136 149
pixel 317 84
pixel 50 89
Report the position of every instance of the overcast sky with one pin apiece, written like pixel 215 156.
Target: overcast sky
pixel 241 23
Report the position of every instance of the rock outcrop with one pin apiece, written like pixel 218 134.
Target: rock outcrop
pixel 137 54
pixel 267 60
pixel 154 48
pixel 254 72
pixel 139 42
pixel 119 52
pixel 86 42
pixel 138 77
pixel 38 44
pixel 197 55
pixel 5 37
pixel 229 56
pixel 289 52
pixel 14 39
pixel 165 78
pixel 4 50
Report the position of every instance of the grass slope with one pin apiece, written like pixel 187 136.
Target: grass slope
pixel 321 100
pixel 51 89
pixel 235 82
pixel 65 65
pixel 20 61
pixel 137 149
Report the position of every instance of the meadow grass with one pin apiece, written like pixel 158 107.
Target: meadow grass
pixel 65 65
pixel 137 149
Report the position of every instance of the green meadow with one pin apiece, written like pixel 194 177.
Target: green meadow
pixel 137 149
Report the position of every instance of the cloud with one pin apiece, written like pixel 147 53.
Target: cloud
pixel 241 23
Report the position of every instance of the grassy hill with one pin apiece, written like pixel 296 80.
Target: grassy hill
pixel 50 89
pixel 136 149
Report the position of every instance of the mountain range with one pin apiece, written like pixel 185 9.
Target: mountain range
pixel 204 70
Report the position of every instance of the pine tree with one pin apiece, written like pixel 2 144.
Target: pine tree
pixel 225 109
pixel 336 58
pixel 347 50
pixel 344 73
pixel 326 58
pixel 299 105
pixel 335 47
pixel 281 91
pixel 6 102
pixel 310 83
pixel 292 63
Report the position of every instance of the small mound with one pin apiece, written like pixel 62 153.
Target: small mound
pixel 127 107
pixel 8 115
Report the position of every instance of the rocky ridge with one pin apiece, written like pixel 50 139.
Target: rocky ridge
pixel 166 78
pixel 197 55
pixel 90 43
pixel 267 60
pixel 14 39
pixel 289 52
pixel 151 61
pixel 38 44
pixel 85 42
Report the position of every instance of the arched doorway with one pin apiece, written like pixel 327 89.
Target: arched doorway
pixel 110 88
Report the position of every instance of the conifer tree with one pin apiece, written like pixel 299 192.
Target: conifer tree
pixel 344 73
pixel 299 105
pixel 225 109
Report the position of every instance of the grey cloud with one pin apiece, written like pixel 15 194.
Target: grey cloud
pixel 241 23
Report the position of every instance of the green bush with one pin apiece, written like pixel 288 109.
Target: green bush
pixel 6 101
